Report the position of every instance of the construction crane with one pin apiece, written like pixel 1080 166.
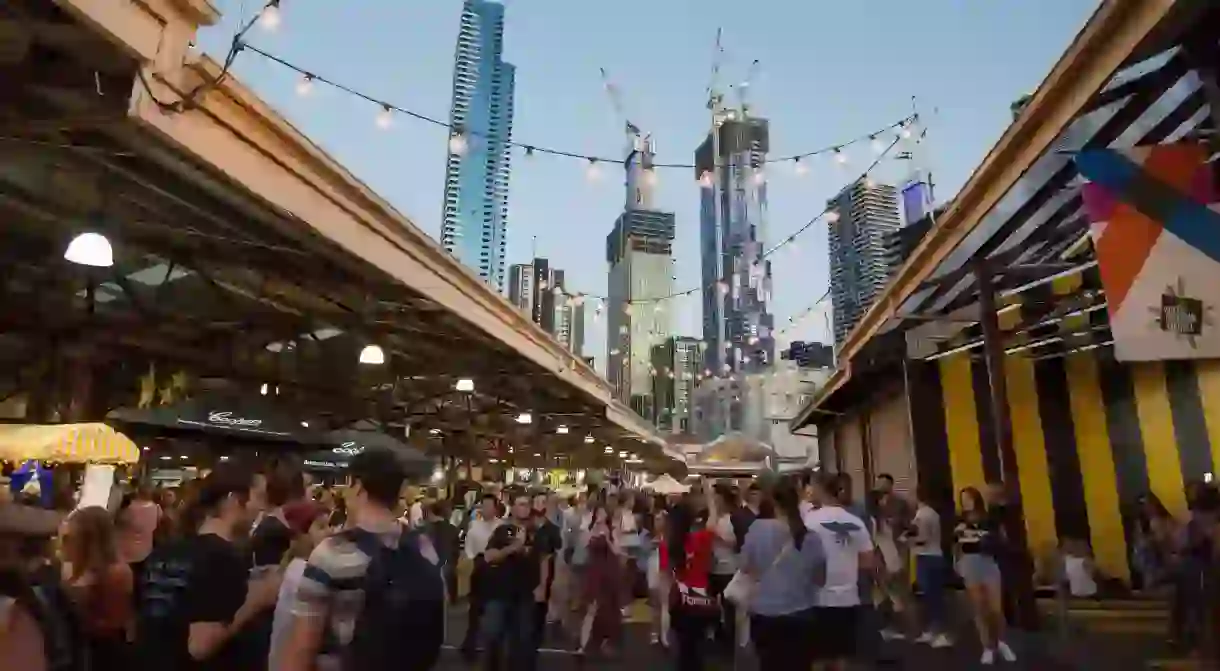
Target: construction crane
pixel 715 99
pixel 743 89
pixel 616 100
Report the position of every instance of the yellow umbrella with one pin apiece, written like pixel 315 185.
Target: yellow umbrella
pixel 66 443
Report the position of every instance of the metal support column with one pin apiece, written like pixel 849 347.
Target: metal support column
pixel 1020 574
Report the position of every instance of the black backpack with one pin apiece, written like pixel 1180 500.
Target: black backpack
pixel 402 625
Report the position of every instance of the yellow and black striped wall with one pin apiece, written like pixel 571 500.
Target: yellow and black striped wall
pixel 1090 435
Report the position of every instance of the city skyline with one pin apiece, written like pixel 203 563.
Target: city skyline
pixel 537 289
pixel 478 161
pixel 402 54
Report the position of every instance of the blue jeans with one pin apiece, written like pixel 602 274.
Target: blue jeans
pixel 508 634
pixel 930 576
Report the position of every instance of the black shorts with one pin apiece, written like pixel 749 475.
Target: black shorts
pixel 835 632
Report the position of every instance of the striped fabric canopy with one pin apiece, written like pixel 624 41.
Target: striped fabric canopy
pixel 66 443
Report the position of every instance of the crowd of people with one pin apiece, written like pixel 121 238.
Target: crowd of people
pixel 243 569
pixel 250 568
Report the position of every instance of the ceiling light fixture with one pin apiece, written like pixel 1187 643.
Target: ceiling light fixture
pixel 90 249
pixel 372 355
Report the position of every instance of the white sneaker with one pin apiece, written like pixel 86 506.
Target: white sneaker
pixel 988 658
pixel 942 641
pixel 1006 652
pixel 891 635
pixel 925 638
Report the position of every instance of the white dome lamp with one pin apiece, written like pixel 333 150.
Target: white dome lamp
pixel 372 355
pixel 90 249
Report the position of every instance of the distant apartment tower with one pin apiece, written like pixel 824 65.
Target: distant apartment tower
pixel 521 286
pixel 475 217
pixel 864 215
pixel 677 363
pixel 639 251
pixel 737 323
pixel 538 290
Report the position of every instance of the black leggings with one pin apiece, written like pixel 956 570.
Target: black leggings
pixel 690 633
pixel 784 642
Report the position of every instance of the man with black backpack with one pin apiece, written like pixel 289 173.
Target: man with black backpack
pixel 372 597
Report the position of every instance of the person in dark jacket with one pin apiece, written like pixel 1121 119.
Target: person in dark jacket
pixel 444 536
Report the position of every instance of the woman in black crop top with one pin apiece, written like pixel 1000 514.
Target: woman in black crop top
pixel 978 539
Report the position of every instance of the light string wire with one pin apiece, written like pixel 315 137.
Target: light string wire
pixel 312 77
pixel 269 16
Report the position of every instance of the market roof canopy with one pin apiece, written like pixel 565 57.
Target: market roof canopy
pixel 246 417
pixel 736 448
pixel 667 485
pixel 71 443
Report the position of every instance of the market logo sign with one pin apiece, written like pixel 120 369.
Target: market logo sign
pixel 226 418
pixel 1181 314
pixel 349 448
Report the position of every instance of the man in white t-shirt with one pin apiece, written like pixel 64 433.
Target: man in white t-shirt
pixel 849 551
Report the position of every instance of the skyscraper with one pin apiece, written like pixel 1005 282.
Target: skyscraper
pixel 677 362
pixel 639 252
pixel 521 287
pixel 737 323
pixel 538 291
pixel 475 217
pixel 861 219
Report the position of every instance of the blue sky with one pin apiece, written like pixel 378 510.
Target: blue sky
pixel 830 70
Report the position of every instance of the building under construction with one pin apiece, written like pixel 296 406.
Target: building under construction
pixel 737 321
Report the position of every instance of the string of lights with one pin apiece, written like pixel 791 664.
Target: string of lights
pixel 795 320
pixel 269 18
pixel 459 138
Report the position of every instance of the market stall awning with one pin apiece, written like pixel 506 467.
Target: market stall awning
pixel 230 416
pixel 346 444
pixel 66 443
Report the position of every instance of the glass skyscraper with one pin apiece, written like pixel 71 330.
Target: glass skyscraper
pixel 738 327
pixel 475 219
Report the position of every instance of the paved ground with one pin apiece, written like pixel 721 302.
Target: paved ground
pixel 1087 647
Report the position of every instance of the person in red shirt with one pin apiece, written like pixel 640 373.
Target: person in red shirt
pixel 687 556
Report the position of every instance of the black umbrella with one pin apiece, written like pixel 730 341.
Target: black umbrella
pixel 245 417
pixel 346 443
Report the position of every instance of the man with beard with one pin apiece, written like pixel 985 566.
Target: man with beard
pixel 514 589
pixel 196 594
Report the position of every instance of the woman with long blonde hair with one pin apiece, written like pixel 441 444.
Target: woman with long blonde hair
pixel 100 584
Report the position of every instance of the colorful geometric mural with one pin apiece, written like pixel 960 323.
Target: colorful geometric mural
pixel 1155 224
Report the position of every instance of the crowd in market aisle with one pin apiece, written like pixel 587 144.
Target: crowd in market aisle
pixel 251 567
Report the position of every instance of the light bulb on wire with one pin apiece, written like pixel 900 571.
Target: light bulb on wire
pixel 458 143
pixel 799 166
pixel 875 144
pixel 269 18
pixel 593 171
pixel 906 130
pixel 705 179
pixel 840 157
pixel 385 118
pixel 305 86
